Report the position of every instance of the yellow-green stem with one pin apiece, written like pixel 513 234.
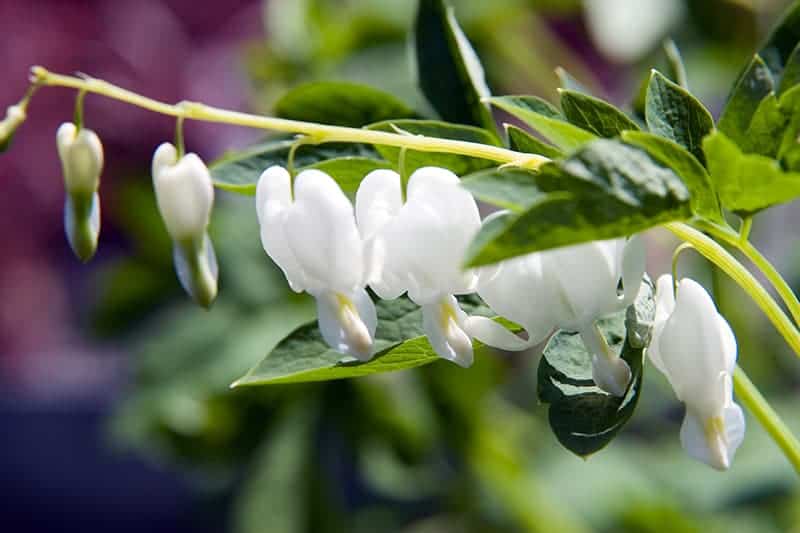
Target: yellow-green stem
pixel 718 255
pixel 740 242
pixel 750 396
pixel 318 132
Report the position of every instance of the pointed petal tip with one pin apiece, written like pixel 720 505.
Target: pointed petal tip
pixel 611 376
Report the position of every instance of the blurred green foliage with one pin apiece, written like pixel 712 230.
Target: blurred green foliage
pixel 438 449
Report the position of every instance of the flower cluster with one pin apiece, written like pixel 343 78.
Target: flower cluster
pixel 415 245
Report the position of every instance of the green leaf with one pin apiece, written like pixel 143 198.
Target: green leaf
pixel 765 131
pixel 595 115
pixel 704 200
pixel 782 40
pixel 672 112
pixel 791 73
pixel 239 171
pixel 584 418
pixel 400 341
pixel 349 171
pixel 449 71
pixel 605 190
pixel 459 164
pixel 339 103
pixel 752 87
pixel 521 141
pixel 546 119
pixel 747 183
pixel 509 188
pixel 676 71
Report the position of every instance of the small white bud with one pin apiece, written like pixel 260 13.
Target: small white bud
pixel 184 192
pixel 81 154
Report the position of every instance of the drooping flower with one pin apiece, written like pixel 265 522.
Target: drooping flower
pixel 570 288
pixel 693 345
pixel 81 154
pixel 185 197
pixel 313 238
pixel 418 247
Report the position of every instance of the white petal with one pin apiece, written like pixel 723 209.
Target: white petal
pixel 634 259
pixel 494 334
pixel 184 193
pixel 611 375
pixel 347 322
pixel 518 291
pixel 81 154
pixel 665 304
pixel 274 186
pixel 691 350
pixel 443 324
pixel 713 442
pixel 378 200
pixel 431 234
pixel 321 232
pixel 727 344
pixel 274 195
pixel 587 277
pixel 165 155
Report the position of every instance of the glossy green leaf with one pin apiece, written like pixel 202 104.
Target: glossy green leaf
pixel 522 141
pixel 509 188
pixel 460 164
pixel 449 71
pixel 584 418
pixel 239 171
pixel 704 200
pixel 672 112
pixel 349 171
pixel 747 183
pixel 400 342
pixel 605 190
pixel 595 115
pixel 546 119
pixel 752 87
pixel 340 104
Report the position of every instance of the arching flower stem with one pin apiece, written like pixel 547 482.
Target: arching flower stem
pixel 318 133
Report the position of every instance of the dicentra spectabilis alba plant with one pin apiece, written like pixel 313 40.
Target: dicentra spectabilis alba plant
pixel 309 230
pixel 185 197
pixel 694 347
pixel 561 257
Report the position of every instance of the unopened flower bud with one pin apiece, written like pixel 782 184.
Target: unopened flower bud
pixel 81 154
pixel 185 196
pixel 15 116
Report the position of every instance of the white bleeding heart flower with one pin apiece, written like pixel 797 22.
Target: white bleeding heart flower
pixel 185 198
pixel 418 246
pixel 81 154
pixel 312 236
pixel 184 191
pixel 693 345
pixel 15 116
pixel 569 288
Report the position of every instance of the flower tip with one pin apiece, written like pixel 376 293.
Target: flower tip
pixel 612 376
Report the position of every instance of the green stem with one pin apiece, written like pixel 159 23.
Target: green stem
pixel 758 406
pixel 740 242
pixel 718 255
pixel 320 132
